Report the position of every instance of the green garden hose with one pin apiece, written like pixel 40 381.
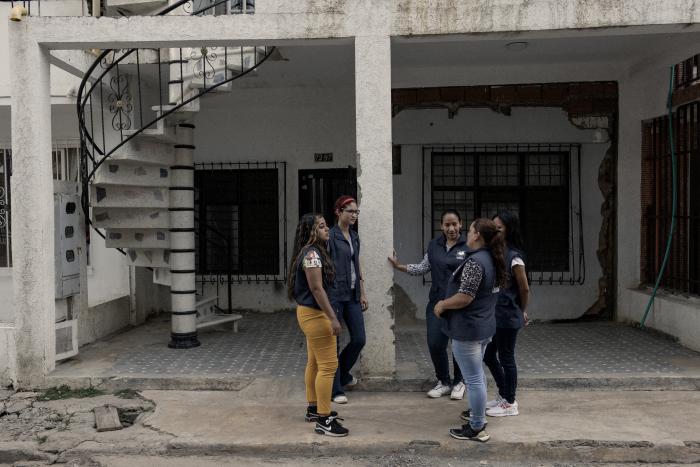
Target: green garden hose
pixel 674 197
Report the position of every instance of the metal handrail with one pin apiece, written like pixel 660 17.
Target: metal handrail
pixel 90 149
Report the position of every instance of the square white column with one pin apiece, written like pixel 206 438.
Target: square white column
pixel 374 179
pixel 32 209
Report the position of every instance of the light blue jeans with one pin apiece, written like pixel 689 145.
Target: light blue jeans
pixel 469 356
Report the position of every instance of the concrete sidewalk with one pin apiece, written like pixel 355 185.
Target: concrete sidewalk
pixel 266 417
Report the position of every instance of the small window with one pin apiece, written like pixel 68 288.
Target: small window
pixel 70 256
pixel 68 231
pixel 70 207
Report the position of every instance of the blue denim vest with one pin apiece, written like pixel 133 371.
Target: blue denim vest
pixel 508 312
pixel 302 291
pixel 339 250
pixel 443 263
pixel 477 321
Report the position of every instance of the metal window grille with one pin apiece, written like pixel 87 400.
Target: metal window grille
pixel 5 214
pixel 687 72
pixel 534 180
pixel 683 269
pixel 64 157
pixel 240 217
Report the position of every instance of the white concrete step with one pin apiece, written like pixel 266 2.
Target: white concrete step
pixel 145 151
pixel 206 306
pixel 133 7
pixel 138 238
pixel 162 276
pixel 131 218
pixel 129 197
pixel 148 257
pixel 159 132
pixel 182 114
pixel 220 319
pixel 132 173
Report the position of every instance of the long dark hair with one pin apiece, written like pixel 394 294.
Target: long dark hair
pixel 513 237
pixel 496 245
pixel 304 237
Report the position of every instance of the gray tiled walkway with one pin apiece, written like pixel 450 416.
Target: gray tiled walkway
pixel 272 345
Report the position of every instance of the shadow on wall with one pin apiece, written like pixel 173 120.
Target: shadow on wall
pixel 405 311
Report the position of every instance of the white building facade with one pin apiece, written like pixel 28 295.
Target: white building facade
pixel 416 107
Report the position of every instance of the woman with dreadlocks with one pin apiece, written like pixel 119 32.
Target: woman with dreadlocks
pixel 311 272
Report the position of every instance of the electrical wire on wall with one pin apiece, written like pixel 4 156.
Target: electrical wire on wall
pixel 674 203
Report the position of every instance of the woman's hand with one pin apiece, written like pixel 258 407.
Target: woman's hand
pixel 335 325
pixel 526 318
pixel 438 309
pixel 363 301
pixel 393 259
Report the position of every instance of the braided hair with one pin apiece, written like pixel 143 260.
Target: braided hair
pixel 306 236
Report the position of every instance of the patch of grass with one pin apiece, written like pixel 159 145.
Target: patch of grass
pixel 41 439
pixel 65 392
pixel 127 394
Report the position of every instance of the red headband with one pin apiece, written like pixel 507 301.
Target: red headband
pixel 343 201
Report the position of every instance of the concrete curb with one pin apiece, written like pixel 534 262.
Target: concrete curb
pixel 23 451
pixel 622 383
pixel 237 383
pixel 570 451
pixel 145 382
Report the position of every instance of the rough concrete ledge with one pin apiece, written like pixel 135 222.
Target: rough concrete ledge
pixel 23 451
pixel 237 383
pixel 626 383
pixel 144 382
pixel 570 451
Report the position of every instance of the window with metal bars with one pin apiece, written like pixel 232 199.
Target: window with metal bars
pixel 64 162
pixel 682 273
pixel 533 180
pixel 237 220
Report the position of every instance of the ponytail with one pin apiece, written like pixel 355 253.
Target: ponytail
pixel 497 247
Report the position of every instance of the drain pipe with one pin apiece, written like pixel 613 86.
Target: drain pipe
pixel 674 204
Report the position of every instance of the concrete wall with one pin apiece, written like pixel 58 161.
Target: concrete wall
pixel 643 96
pixel 415 128
pixel 62 83
pixel 304 121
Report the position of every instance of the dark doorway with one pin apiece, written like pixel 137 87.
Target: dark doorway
pixel 319 188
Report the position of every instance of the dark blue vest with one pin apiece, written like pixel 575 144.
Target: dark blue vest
pixel 477 321
pixel 339 250
pixel 443 263
pixel 302 291
pixel 508 312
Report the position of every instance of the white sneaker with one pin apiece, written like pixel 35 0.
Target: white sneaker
pixel 494 403
pixel 504 409
pixel 353 382
pixel 439 390
pixel 340 399
pixel 458 391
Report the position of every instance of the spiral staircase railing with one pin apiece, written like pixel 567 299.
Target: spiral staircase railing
pixel 106 85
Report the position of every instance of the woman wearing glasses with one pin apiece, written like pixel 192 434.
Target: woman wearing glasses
pixel 347 293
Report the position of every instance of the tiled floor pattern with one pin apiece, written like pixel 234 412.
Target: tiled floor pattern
pixel 272 344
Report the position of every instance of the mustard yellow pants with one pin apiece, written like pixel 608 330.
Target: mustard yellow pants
pixel 322 357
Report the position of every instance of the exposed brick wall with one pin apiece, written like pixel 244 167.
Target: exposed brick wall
pixel 578 99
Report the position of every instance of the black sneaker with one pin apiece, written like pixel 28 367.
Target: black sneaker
pixel 467 432
pixel 467 415
pixel 312 414
pixel 330 426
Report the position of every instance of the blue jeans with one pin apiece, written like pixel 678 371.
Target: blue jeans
pixel 500 358
pixel 351 313
pixel 469 355
pixel 437 345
